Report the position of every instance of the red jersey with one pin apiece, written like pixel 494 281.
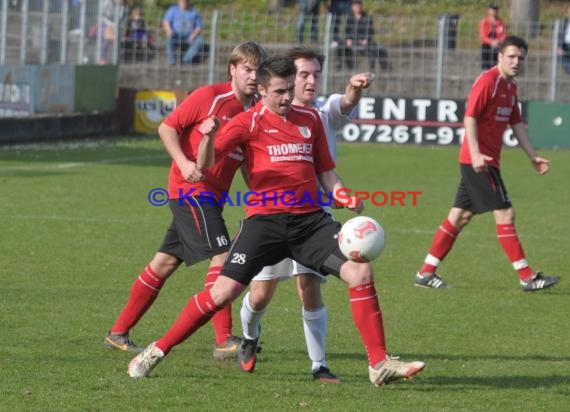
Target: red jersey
pixel 489 30
pixel 218 100
pixel 283 155
pixel 493 102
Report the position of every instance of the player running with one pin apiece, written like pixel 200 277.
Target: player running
pixel 492 105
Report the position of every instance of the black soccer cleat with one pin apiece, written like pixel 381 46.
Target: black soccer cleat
pixel 430 281
pixel 324 374
pixel 538 282
pixel 247 354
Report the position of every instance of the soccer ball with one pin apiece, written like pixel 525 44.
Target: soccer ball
pixel 361 239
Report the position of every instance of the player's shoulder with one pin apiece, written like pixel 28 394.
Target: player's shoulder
pixel 487 79
pixel 303 111
pixel 212 91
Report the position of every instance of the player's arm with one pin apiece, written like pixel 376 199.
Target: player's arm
pixel 206 154
pixel 332 183
pixel 214 145
pixel 540 164
pixel 353 91
pixel 478 160
pixel 171 141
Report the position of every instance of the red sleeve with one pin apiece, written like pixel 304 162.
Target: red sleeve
pixel 191 111
pixel 322 154
pixel 483 30
pixel 479 96
pixel 231 135
pixel 516 116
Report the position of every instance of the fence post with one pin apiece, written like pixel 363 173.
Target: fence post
pixel 554 61
pixel 327 54
pixel 213 48
pixel 117 34
pixel 63 41
pixel 100 34
pixel 45 33
pixel 82 32
pixel 24 32
pixel 3 31
pixel 439 58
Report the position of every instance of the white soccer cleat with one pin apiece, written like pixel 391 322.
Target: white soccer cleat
pixel 392 370
pixel 142 364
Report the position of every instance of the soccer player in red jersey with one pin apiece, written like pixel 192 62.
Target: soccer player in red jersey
pixel 335 111
pixel 286 156
pixel 198 230
pixel 492 105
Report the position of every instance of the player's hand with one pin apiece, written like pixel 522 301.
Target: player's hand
pixel 479 162
pixel 355 205
pixel 541 165
pixel 190 172
pixel 209 126
pixel 362 80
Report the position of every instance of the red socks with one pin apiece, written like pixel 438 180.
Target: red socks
pixel 509 240
pixel 198 311
pixel 222 320
pixel 143 293
pixel 367 317
pixel 440 246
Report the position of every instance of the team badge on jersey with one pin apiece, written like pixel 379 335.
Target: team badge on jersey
pixel 305 131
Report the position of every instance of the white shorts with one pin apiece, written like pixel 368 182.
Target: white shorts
pixel 286 269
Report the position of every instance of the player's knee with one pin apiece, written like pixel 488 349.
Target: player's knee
pixel 219 260
pixel 164 264
pixel 225 291
pixel 309 291
pixel 355 274
pixel 258 300
pixel 504 216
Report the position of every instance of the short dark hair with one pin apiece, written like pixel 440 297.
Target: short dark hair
pixel 513 41
pixel 278 66
pixel 307 53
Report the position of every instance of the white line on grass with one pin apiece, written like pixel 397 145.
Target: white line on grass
pixel 71 165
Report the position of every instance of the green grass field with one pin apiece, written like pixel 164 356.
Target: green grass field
pixel 76 229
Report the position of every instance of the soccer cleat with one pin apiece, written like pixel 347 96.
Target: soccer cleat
pixel 121 342
pixel 392 370
pixel 247 354
pixel 228 349
pixel 430 280
pixel 324 374
pixel 538 282
pixel 142 364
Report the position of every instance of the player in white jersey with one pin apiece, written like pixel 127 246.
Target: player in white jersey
pixel 335 112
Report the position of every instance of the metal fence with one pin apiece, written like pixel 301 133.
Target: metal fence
pixel 428 57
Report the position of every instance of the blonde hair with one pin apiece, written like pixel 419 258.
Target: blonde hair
pixel 246 52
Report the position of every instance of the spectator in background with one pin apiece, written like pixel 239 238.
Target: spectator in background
pixel 183 27
pixel 359 39
pixel 105 30
pixel 138 44
pixel 339 9
pixel 564 42
pixel 136 27
pixel 492 31
pixel 308 9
